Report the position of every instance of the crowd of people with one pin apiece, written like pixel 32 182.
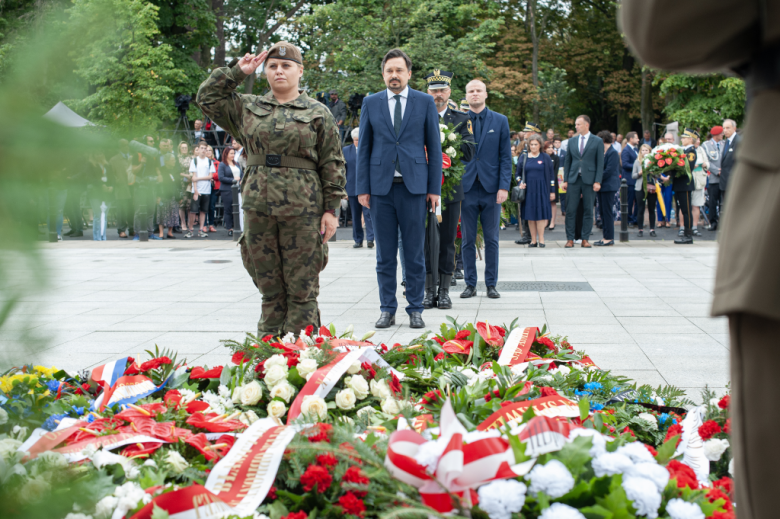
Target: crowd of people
pixel 150 184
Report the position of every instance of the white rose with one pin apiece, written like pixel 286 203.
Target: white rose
pixel 390 406
pixel 452 136
pixel 442 126
pixel 307 366
pixel 275 360
pixel 105 507
pixel 451 152
pixel 380 389
pixel 306 354
pixel 364 411
pixel 354 368
pixel 248 418
pixel 8 447
pixel 150 463
pixel 347 420
pixel 359 385
pixel 236 397
pixel 3 416
pixel 283 390
pixel 441 135
pixel 314 407
pixel 345 399
pixel 251 393
pixel 650 419
pixel 275 374
pixel 176 462
pixel 714 448
pixel 33 490
pixel 53 459
pixel 276 409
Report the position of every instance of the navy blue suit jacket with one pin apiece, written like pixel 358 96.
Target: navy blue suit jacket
pixel 493 159
pixel 350 156
pixel 611 180
pixel 379 146
pixel 628 156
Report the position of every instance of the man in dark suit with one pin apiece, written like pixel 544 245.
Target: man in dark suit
pixel 486 186
pixel 397 182
pixel 583 169
pixel 730 144
pixel 627 158
pixel 439 87
pixel 357 210
pixel 648 139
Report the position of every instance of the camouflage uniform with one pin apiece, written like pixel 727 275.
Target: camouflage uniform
pixel 281 245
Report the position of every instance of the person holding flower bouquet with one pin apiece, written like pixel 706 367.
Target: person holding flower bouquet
pixel 650 198
pixel 455 125
pixel 684 185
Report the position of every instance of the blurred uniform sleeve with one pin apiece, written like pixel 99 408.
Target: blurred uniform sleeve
pixel 331 164
pixel 724 34
pixel 218 99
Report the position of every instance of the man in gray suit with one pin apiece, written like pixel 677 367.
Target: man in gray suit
pixel 583 168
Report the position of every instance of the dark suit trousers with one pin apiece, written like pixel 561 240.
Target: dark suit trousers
pixel 399 209
pixel 359 211
pixel 573 192
pixel 652 199
pixel 227 203
pixel 606 201
pixel 684 202
pixel 754 419
pixel 715 200
pixel 448 229
pixel 480 204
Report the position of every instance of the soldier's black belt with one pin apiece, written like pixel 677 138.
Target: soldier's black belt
pixel 280 161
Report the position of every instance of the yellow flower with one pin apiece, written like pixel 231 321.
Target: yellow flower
pixel 7 383
pixel 48 372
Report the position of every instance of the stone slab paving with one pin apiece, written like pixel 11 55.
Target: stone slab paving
pixel 647 316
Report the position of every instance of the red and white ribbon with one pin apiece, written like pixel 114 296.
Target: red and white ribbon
pixel 193 502
pixel 517 346
pixel 551 406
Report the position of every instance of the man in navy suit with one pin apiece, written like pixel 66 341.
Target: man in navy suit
pixel 357 210
pixel 486 186
pixel 583 169
pixel 397 180
pixel 627 158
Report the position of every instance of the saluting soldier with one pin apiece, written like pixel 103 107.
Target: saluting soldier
pixel 294 182
pixel 684 186
pixel 439 82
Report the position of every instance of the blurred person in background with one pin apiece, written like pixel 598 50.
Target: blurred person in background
pixel 198 134
pixel 667 192
pixel 610 183
pixel 145 178
pixel 229 174
pixel 212 212
pixel 539 185
pixel 99 193
pixel 628 157
pixel 200 169
pixel 714 150
pixel 643 201
pixel 549 149
pixel 168 190
pixel 184 159
pixel 122 175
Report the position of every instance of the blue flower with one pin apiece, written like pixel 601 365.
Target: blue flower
pixel 582 393
pixel 90 418
pixel 53 385
pixel 593 386
pixel 52 422
pixel 674 421
pixel 596 407
pixel 78 410
pixel 615 389
pixel 663 418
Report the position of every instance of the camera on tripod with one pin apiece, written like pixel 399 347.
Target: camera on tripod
pixel 182 104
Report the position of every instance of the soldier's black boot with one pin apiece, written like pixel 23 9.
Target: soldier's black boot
pixel 429 301
pixel 444 302
pixel 686 238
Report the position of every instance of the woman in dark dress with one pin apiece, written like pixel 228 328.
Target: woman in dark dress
pixel 549 149
pixel 540 186
pixel 610 183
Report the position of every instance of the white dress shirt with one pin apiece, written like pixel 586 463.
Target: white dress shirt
pixel 582 143
pixel 391 105
pixel 616 146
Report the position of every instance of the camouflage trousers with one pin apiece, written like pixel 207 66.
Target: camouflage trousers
pixel 284 255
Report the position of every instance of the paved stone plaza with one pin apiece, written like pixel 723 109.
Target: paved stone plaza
pixel 646 317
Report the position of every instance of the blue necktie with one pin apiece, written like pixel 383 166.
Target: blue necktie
pixel 397 117
pixel 477 128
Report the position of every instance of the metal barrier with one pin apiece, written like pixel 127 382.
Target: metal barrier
pixel 623 211
pixel 236 212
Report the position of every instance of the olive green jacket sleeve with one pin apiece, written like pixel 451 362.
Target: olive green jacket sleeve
pixel 217 98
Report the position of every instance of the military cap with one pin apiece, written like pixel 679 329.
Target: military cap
pixel 464 105
pixel 452 105
pixel 285 50
pixel 333 92
pixel 716 130
pixel 439 79
pixel 689 132
pixel 532 127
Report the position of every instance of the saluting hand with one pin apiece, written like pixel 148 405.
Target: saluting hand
pixel 249 63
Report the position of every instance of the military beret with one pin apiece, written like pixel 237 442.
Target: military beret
pixel 689 132
pixel 439 79
pixel 285 50
pixel 716 130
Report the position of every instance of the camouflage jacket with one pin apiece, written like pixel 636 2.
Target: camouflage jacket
pixel 301 128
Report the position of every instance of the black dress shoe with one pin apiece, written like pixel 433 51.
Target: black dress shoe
pixel 531 245
pixel 713 226
pixel 458 274
pixel 358 245
pixel 653 234
pixel 469 292
pixel 523 241
pixel 443 300
pixel 492 293
pixel 602 243
pixel 415 320
pixel 386 320
pixel 640 233
pixel 177 229
pixel 370 245
pixel 76 235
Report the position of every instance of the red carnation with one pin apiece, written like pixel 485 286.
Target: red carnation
pixel 684 475
pixel 431 397
pixel 501 331
pixel 352 504
pixel 153 364
pixel 545 341
pixel 725 402
pixel 727 426
pixel 726 484
pixel 271 493
pixel 267 338
pixel 319 340
pixel 327 460
pixel 548 391
pixel 237 358
pixel 292 359
pixel 384 347
pixel 321 434
pixel 260 369
pixel 722 515
pixel 82 390
pixel 672 431
pixel 566 344
pixel 395 384
pixel 440 356
pixel 371 372
pixel 355 475
pixel 715 493
pixel 172 398
pixel 255 345
pixel 463 334
pixel 198 372
pixel 316 477
pixel 649 447
pixel 296 515
pixel 308 331
pixel 709 429
pixel 439 340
